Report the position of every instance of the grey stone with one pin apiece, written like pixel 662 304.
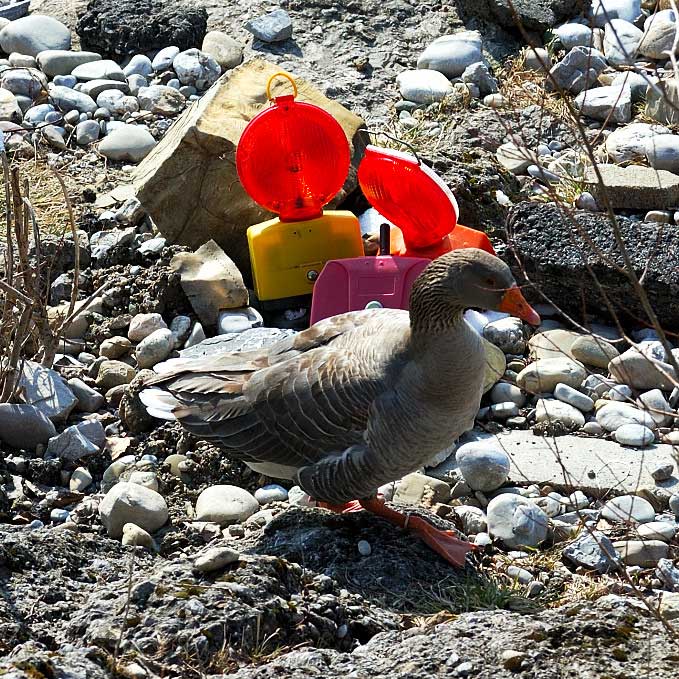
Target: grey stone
pixel 662 100
pixel 226 51
pixel 423 86
pixel 628 509
pixel 504 392
pixel 29 82
pixel 135 536
pixel 139 64
pixel 537 59
pixel 574 35
pixel 543 375
pixel 593 351
pixel 128 142
pixel 668 573
pixel 593 551
pixel 87 132
pixel 634 435
pixel 479 75
pixel 594 465
pixel 612 416
pixel 643 553
pixel 638 83
pixel 161 100
pixel 163 60
pixel 515 158
pixel 136 83
pixel 89 400
pixel 80 480
pixel 451 54
pixel 132 503
pixel 103 242
pixel 181 328
pixel 602 11
pixel 113 374
pixel 62 62
pixel 94 88
pixel 657 406
pixel 34 34
pixel 196 68
pixel 215 559
pixel 483 465
pixel 516 521
pixel 275 26
pixel 225 505
pixel 635 187
pixel 154 246
pixel 142 325
pixel 117 102
pixel 576 398
pixel 473 519
pixel 657 530
pixel 674 504
pixel 662 471
pixel 642 372
pixel 507 334
pixel 550 410
pixel 46 390
pixel 658 37
pixel 272 492
pixel 621 41
pixel 613 103
pixel 577 71
pixel 662 152
pixel 71 445
pixel 154 348
pixel 68 99
pixel 9 107
pixel 24 426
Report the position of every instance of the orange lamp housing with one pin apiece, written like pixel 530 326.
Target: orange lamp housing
pixel 414 198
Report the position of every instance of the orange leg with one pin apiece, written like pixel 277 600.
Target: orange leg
pixel 346 508
pixel 443 542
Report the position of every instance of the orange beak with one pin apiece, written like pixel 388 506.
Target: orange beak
pixel 514 303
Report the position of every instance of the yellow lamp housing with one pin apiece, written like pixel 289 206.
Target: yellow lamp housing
pixel 287 257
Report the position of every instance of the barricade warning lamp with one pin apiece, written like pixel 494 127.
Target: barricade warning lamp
pixel 292 159
pixel 415 199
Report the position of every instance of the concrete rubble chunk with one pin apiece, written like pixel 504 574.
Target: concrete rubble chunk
pixel 634 187
pixel 199 152
pixel 211 281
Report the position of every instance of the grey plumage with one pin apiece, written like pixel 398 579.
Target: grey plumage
pixel 356 400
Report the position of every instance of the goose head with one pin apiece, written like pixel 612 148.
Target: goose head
pixel 468 278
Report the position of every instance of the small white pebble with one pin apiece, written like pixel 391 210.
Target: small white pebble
pixel 364 548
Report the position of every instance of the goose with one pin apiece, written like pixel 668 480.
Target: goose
pixel 356 400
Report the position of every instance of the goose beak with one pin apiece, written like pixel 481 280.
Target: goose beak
pixel 514 303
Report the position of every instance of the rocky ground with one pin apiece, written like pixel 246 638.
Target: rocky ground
pixel 127 548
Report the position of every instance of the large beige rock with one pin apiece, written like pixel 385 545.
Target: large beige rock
pixel 211 281
pixel 189 185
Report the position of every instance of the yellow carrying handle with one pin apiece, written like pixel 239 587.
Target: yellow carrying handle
pixel 280 74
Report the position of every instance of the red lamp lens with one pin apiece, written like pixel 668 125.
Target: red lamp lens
pixel 410 195
pixel 292 159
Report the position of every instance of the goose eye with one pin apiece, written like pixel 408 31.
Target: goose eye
pixel 490 282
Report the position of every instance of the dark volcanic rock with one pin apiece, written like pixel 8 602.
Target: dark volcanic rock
pixel 611 637
pixel 568 259
pixel 120 29
pixel 532 15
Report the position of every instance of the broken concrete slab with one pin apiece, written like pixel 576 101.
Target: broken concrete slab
pixel 597 467
pixel 211 281
pixel 198 153
pixel 634 187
